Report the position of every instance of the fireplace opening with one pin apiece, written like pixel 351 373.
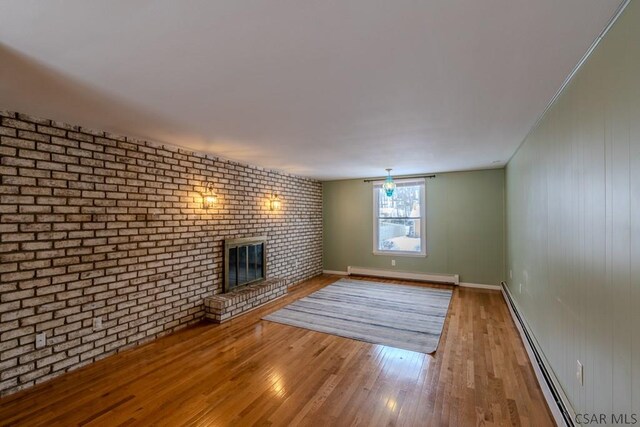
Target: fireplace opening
pixel 245 262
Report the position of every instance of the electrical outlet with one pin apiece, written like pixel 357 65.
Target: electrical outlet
pixel 520 288
pixel 41 340
pixel 510 274
pixel 393 262
pixel 580 373
pixel 97 323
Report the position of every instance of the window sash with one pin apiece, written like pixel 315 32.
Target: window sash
pixel 377 186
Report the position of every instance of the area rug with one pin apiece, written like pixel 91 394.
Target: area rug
pixel 402 316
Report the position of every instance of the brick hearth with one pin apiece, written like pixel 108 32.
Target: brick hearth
pixel 219 308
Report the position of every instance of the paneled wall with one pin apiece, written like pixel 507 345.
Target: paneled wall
pixel 98 225
pixel 573 210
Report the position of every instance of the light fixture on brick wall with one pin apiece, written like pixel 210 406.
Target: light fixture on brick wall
pixel 209 198
pixel 275 203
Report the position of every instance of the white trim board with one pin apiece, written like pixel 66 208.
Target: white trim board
pixel 480 286
pixel 544 386
pixel 446 278
pixel 452 279
pixel 339 273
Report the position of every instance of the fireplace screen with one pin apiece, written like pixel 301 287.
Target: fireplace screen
pixel 245 262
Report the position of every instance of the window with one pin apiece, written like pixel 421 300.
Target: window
pixel 399 220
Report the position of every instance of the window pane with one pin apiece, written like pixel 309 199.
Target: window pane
pixel 242 265
pixel 400 218
pixel 399 235
pixel 251 271
pixel 259 266
pixel 233 268
pixel 405 202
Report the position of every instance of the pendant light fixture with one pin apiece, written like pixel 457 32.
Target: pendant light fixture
pixel 389 186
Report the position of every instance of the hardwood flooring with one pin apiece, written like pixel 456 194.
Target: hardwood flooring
pixel 254 372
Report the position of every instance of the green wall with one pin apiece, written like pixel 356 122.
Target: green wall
pixel 573 227
pixel 465 224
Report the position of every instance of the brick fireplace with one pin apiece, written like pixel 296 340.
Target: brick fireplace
pixel 246 285
pixel 245 262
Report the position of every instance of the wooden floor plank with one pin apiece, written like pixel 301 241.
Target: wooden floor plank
pixel 254 372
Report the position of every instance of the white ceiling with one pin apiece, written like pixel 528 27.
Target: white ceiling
pixel 326 89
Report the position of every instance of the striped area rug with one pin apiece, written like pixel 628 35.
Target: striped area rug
pixel 402 316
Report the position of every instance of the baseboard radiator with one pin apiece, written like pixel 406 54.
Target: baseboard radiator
pixel 451 279
pixel 560 411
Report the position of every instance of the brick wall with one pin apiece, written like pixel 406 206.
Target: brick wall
pixel 98 225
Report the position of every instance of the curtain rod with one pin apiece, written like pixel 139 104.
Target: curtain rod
pixel 399 177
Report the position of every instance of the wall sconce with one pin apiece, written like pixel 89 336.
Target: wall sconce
pixel 209 198
pixel 275 203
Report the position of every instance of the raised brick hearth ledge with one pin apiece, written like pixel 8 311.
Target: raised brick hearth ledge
pixel 222 307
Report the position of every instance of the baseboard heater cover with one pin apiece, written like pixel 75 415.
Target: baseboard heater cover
pixel 336 272
pixel 560 412
pixel 452 279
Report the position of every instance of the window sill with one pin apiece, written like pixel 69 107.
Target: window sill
pixel 402 254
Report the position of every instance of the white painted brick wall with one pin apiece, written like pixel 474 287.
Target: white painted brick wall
pixel 94 224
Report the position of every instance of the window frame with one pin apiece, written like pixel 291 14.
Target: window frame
pixel 423 219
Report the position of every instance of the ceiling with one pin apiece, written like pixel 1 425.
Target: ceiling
pixel 325 89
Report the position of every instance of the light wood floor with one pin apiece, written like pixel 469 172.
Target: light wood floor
pixel 253 372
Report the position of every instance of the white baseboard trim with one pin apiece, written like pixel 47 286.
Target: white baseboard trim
pixel 549 396
pixel 452 279
pixel 427 277
pixel 480 286
pixel 339 273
